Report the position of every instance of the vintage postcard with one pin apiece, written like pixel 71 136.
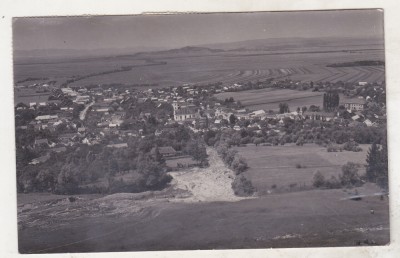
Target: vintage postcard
pixel 159 132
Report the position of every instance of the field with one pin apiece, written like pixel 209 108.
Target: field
pixel 276 165
pixel 269 99
pixel 27 96
pixel 193 68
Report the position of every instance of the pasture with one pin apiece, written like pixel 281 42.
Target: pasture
pixel 227 67
pixel 276 165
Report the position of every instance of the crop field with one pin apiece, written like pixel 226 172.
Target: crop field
pixel 276 165
pixel 28 96
pixel 269 99
pixel 227 67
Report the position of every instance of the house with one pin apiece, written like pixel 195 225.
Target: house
pixel 58 149
pixel 46 118
pixel 41 159
pixel 236 128
pixel 177 105
pixel 369 123
pixel 67 138
pixel 164 151
pixel 158 132
pixel 357 104
pixel 184 114
pixel 323 116
pixel 118 145
pixel 202 122
pixel 223 113
pixel 258 113
pixel 39 142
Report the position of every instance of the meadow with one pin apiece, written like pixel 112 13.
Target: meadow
pixel 278 165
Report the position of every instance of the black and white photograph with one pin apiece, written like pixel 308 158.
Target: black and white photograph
pixel 201 131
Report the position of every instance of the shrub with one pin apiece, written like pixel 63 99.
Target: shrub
pixel 238 165
pixel 332 148
pixel 242 186
pixel 352 146
pixel 318 179
pixel 350 175
pixel 298 165
pixel 333 183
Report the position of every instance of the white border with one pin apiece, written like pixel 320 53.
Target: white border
pixel 18 8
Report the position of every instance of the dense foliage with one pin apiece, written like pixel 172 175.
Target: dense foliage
pixel 101 169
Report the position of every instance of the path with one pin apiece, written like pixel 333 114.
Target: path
pixel 82 115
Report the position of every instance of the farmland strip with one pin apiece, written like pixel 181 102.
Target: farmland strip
pixel 356 77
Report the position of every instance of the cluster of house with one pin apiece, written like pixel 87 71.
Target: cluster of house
pixel 107 108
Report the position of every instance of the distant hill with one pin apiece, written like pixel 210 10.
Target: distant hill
pixel 272 44
pixel 255 45
pixel 189 50
pixel 45 54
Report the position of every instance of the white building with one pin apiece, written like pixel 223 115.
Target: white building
pixel 184 114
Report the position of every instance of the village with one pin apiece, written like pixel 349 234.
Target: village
pixel 110 116
pixel 105 111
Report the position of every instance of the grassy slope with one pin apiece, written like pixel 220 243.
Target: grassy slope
pixel 303 219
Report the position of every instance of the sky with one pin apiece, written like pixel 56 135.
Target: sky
pixel 178 30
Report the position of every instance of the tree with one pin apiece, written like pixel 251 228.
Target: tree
pixel 239 165
pixel 350 174
pixel 257 141
pixel 158 157
pixel 242 186
pixel 373 162
pixel 112 166
pixel 377 164
pixel 314 108
pixel 232 119
pixel 283 108
pixel 330 101
pixel 67 180
pixel 77 110
pixel 300 141
pixel 197 150
pixel 318 179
